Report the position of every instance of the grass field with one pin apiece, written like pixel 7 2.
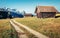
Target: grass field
pixel 48 26
pixel 6 31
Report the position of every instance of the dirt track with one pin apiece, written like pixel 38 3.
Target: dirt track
pixel 21 33
pixel 37 34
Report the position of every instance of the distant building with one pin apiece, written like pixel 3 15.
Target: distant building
pixel 45 11
pixel 28 15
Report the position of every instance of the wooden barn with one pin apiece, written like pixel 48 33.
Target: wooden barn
pixel 45 11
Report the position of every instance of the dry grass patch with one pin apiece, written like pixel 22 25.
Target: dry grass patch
pixel 6 31
pixel 47 26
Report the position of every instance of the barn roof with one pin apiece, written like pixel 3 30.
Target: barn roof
pixel 45 9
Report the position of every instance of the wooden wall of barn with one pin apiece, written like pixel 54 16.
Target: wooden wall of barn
pixel 46 14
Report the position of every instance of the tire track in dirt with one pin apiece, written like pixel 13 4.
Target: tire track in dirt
pixel 21 33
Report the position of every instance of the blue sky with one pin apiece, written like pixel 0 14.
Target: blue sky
pixel 29 5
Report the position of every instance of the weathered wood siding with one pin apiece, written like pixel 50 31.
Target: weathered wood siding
pixel 46 14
